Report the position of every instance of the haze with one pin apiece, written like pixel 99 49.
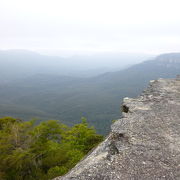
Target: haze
pixel 66 28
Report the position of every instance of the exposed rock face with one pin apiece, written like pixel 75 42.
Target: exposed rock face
pixel 144 144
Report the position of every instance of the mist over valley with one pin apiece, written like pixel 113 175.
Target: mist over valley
pixel 47 87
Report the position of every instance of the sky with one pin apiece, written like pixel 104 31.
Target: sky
pixel 90 26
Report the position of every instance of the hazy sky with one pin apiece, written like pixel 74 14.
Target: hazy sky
pixel 86 26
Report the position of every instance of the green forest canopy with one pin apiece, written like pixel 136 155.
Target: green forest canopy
pixel 44 151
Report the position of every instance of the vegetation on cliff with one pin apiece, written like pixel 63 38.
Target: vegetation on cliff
pixel 43 151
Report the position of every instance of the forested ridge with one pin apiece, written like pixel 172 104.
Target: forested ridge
pixel 44 151
pixel 47 96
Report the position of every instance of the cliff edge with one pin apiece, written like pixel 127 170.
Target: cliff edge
pixel 144 144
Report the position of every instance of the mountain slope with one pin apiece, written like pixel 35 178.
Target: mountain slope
pixel 97 98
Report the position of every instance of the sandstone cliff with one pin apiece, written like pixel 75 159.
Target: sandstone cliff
pixel 144 144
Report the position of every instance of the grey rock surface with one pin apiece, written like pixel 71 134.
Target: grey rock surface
pixel 144 144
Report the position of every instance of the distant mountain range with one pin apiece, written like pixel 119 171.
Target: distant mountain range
pixel 15 64
pixel 53 96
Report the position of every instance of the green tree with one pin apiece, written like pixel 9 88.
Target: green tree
pixel 44 151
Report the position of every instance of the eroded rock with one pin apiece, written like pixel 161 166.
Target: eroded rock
pixel 144 144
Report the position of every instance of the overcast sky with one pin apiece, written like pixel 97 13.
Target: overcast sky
pixel 89 26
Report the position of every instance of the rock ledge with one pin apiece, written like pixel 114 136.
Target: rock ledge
pixel 144 144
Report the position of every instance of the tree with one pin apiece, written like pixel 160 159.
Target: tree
pixel 44 151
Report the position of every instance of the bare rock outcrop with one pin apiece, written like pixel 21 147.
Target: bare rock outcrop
pixel 144 144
